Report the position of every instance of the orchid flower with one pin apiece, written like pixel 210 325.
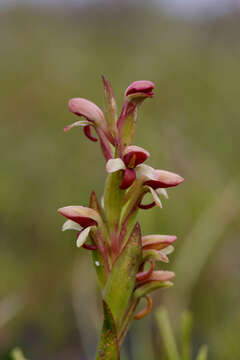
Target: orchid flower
pixel 157 247
pixel 123 259
pixel 80 218
pixel 93 117
pixel 156 181
pixel 132 157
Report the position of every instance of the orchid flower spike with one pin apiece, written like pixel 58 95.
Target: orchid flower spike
pixel 121 255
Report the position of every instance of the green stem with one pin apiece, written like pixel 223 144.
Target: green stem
pixel 113 201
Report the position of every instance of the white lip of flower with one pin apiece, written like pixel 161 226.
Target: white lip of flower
pixel 83 235
pixel 118 164
pixel 114 165
pixel 77 123
pixel 71 225
pixel 168 250
pixel 156 195
pixel 163 192
pixel 146 171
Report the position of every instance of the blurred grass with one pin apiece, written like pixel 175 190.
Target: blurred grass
pixel 191 127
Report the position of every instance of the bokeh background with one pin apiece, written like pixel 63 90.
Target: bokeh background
pixel 52 51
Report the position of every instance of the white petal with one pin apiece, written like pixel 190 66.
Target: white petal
pixel 156 197
pixel 145 171
pixel 162 192
pixel 77 123
pixel 115 165
pixel 168 250
pixel 82 237
pixel 71 225
pixel 155 255
pixel 162 257
pixel 102 201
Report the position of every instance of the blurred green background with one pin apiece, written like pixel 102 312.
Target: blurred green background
pixel 49 303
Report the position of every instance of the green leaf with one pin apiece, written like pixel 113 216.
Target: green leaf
pixel 99 265
pixel 122 279
pixel 129 211
pixel 110 109
pixel 113 199
pixel 202 354
pixel 127 124
pixel 186 332
pixel 94 204
pixel 151 286
pixel 108 343
pixel 167 335
pixel 97 256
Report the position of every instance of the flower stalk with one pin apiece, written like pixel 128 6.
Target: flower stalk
pixel 124 259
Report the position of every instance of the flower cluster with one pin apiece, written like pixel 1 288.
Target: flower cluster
pixel 124 259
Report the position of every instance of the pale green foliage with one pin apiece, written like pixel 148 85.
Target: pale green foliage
pixel 17 354
pixel 170 344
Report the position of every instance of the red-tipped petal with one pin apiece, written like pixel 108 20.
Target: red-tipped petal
pixel 157 242
pixel 128 178
pixel 161 275
pixel 144 275
pixel 80 214
pixel 87 132
pixel 163 179
pixel 157 178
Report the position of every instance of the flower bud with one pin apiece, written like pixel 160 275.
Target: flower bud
pixel 140 89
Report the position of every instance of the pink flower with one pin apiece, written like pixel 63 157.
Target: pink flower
pixel 159 275
pixel 155 181
pixel 94 117
pixel 132 157
pixel 157 247
pixel 81 219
